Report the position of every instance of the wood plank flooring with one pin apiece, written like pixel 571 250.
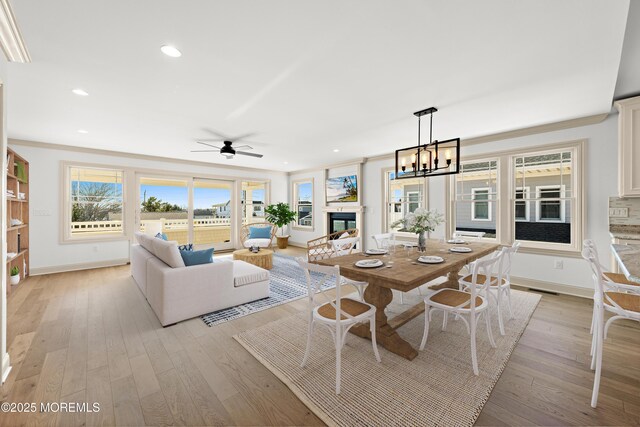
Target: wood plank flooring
pixel 90 336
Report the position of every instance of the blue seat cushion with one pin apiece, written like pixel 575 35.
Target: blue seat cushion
pixel 162 236
pixel 259 232
pixel 197 257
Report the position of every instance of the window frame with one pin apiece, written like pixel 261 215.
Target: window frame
pixel 386 203
pixel 294 192
pixel 505 227
pixel 487 201
pixel 65 230
pixel 561 190
pixel 526 193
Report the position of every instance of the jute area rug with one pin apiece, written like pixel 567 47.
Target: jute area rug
pixel 436 388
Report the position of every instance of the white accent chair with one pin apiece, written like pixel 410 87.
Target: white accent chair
pixel 247 241
pixel 500 289
pixel 620 300
pixel 473 303
pixel 351 312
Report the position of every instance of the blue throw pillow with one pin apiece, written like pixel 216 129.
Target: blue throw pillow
pixel 162 236
pixel 260 232
pixel 187 247
pixel 197 257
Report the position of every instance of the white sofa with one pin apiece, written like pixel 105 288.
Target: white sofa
pixel 176 292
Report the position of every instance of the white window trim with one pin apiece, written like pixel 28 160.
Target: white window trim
pixel 527 204
pixel 409 201
pixel 65 229
pixel 473 204
pixel 294 192
pixel 505 229
pixel 386 203
pixel 562 204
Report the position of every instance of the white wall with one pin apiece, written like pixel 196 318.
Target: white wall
pixel 600 181
pixel 46 194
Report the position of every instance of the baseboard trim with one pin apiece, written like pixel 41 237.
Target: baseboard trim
pixel 298 244
pixel 6 367
pixel 558 288
pixel 75 267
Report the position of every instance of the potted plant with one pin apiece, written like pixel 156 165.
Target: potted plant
pixel 15 275
pixel 420 222
pixel 280 215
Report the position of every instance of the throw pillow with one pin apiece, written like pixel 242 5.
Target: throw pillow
pixel 344 235
pixel 259 232
pixel 187 247
pixel 197 257
pixel 162 236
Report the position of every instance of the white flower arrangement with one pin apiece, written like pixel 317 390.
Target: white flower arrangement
pixel 420 221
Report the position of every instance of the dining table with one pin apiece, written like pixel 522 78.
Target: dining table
pixel 401 271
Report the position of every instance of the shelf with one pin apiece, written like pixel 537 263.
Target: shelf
pixel 17 227
pixel 15 199
pixel 22 252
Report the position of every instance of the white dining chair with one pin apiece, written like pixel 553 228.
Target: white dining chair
pixel 351 312
pixel 472 303
pixel 619 300
pixel 500 290
pixel 343 247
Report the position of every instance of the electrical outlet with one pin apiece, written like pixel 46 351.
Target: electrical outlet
pixel 558 264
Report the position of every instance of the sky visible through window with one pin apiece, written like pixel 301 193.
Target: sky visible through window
pixel 203 197
pixel 304 192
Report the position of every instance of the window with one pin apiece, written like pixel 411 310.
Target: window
pixel 402 197
pixel 253 201
pixel 480 207
pixel 550 174
pixel 475 197
pixel 94 207
pixel 303 200
pixel 522 204
pixel 543 186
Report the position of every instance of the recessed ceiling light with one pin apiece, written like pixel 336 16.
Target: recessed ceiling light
pixel 335 150
pixel 82 131
pixel 80 92
pixel 171 51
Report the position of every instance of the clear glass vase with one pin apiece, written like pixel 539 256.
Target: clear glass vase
pixel 422 241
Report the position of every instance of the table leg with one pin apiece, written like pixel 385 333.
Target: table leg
pixel 385 335
pixel 451 283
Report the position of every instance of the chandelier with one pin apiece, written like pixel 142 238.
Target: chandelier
pixel 430 159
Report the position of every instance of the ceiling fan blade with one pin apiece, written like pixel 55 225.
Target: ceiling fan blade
pixel 205 151
pixel 249 154
pixel 218 134
pixel 243 147
pixel 208 145
pixel 211 139
pixel 243 136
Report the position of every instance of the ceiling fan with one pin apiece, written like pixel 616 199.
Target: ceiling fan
pixel 227 149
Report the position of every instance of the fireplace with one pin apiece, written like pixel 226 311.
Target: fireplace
pixel 340 221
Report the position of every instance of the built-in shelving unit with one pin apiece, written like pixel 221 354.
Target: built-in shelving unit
pixel 17 217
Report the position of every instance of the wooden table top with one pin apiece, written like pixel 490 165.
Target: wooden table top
pixel 248 253
pixel 407 274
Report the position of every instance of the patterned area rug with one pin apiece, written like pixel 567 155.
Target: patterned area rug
pixel 287 283
pixel 437 388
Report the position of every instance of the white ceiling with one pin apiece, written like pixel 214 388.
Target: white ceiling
pixel 306 76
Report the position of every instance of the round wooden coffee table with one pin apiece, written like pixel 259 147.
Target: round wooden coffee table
pixel 263 258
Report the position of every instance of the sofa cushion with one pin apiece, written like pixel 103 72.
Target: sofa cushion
pixel 259 232
pixel 197 257
pixel 246 274
pixel 263 243
pixel 146 242
pixel 168 252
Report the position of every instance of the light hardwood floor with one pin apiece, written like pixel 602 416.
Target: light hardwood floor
pixel 90 336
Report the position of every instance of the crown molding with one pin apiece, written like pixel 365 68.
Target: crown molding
pixel 533 130
pixel 11 40
pixel 51 146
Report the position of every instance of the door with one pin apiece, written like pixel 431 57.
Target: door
pixel 164 207
pixel 213 214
